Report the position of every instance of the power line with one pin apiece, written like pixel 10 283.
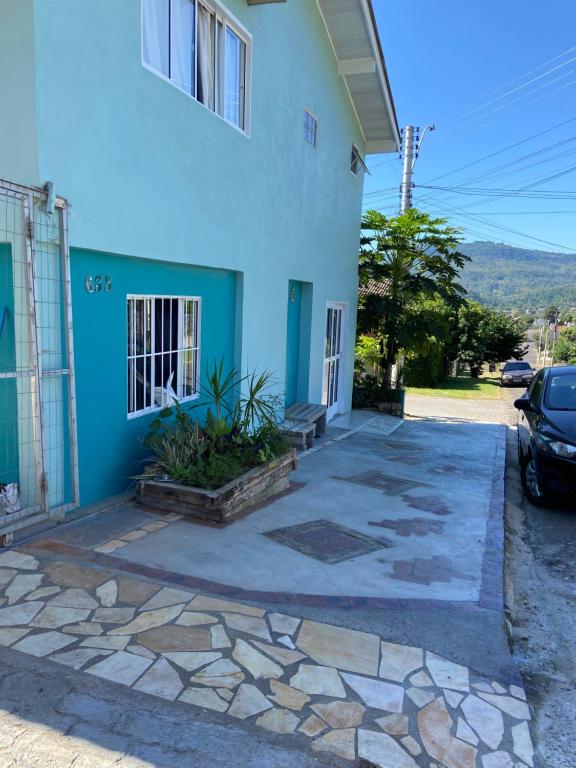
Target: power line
pixel 525 85
pixel 504 149
pixel 493 172
pixel 504 193
pixel 523 213
pixel 522 106
pixel 486 222
pixel 529 72
pixel 519 98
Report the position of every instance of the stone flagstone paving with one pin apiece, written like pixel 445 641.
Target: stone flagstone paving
pixel 349 693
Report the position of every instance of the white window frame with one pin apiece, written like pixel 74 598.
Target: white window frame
pixel 308 113
pixel 228 20
pixel 153 354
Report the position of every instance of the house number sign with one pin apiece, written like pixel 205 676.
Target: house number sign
pixel 98 283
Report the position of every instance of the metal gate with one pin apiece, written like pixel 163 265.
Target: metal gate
pixel 38 452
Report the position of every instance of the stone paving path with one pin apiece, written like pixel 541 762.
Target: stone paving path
pixel 349 693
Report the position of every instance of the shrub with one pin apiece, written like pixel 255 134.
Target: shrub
pixel 426 369
pixel 234 437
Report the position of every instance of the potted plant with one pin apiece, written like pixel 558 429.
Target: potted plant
pixel 215 468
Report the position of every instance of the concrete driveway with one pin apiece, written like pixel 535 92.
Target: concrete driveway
pixel 375 511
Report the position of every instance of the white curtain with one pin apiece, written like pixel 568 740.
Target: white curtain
pixel 182 45
pixel 155 34
pixel 205 92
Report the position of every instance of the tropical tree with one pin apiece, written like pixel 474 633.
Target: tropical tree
pixel 412 256
pixel 565 349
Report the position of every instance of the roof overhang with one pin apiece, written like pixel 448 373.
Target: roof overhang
pixel 351 27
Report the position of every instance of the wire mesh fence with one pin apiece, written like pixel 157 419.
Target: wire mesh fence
pixel 37 423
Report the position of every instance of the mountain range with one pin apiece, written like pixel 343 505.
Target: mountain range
pixel 505 277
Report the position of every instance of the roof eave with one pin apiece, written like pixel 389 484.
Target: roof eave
pixel 365 74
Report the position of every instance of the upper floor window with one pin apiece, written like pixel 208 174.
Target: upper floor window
pixel 310 128
pixel 202 51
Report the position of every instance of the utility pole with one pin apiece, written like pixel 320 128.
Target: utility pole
pixel 411 143
pixel 540 343
pixel 408 152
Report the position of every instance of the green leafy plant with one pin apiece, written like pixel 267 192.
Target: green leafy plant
pixel 240 431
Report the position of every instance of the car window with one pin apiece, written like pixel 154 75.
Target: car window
pixel 535 389
pixel 562 392
pixel 517 367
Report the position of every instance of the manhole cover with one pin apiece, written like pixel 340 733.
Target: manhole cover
pixel 326 541
pixel 391 486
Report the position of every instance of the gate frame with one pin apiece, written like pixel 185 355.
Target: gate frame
pixel 39 513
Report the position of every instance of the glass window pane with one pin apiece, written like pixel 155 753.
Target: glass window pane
pixel 148 325
pixel 130 326
pixel 131 392
pixel 139 327
pixel 190 325
pixel 219 78
pixel 205 57
pixel 182 57
pixel 156 35
pixel 310 128
pixel 234 79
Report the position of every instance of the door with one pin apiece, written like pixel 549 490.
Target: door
pixel 334 345
pixel 293 341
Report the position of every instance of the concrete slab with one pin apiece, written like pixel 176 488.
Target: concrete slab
pixel 422 489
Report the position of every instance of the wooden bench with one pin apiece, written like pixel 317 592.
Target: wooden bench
pixel 307 413
pixel 299 434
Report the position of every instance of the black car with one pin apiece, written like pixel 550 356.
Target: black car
pixel 547 435
pixel 516 373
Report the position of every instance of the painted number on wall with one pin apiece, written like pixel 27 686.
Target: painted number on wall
pixel 98 283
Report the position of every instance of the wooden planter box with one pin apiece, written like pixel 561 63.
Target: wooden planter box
pixel 225 503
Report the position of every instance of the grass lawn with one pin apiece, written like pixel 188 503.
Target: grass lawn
pixel 463 387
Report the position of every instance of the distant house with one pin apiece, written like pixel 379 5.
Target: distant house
pixel 204 163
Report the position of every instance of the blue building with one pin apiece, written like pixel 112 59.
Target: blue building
pixel 183 184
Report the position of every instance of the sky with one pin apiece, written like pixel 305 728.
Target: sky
pixel 489 74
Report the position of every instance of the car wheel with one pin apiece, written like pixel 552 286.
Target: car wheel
pixel 531 482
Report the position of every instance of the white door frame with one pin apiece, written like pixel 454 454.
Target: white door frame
pixel 334 359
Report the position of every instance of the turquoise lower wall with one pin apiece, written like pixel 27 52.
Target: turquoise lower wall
pixel 9 461
pixel 108 448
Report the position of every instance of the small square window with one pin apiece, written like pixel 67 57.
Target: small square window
pixel 357 164
pixel 310 128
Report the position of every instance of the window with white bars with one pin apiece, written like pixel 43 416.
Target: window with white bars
pixel 163 351
pixel 202 51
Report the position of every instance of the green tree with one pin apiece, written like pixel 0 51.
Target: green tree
pixel 568 316
pixel 413 256
pixel 551 313
pixel 565 350
pixel 487 336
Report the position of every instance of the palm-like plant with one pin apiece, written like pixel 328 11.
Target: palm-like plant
pixel 408 256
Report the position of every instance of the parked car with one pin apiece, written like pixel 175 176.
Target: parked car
pixel 547 435
pixel 516 373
